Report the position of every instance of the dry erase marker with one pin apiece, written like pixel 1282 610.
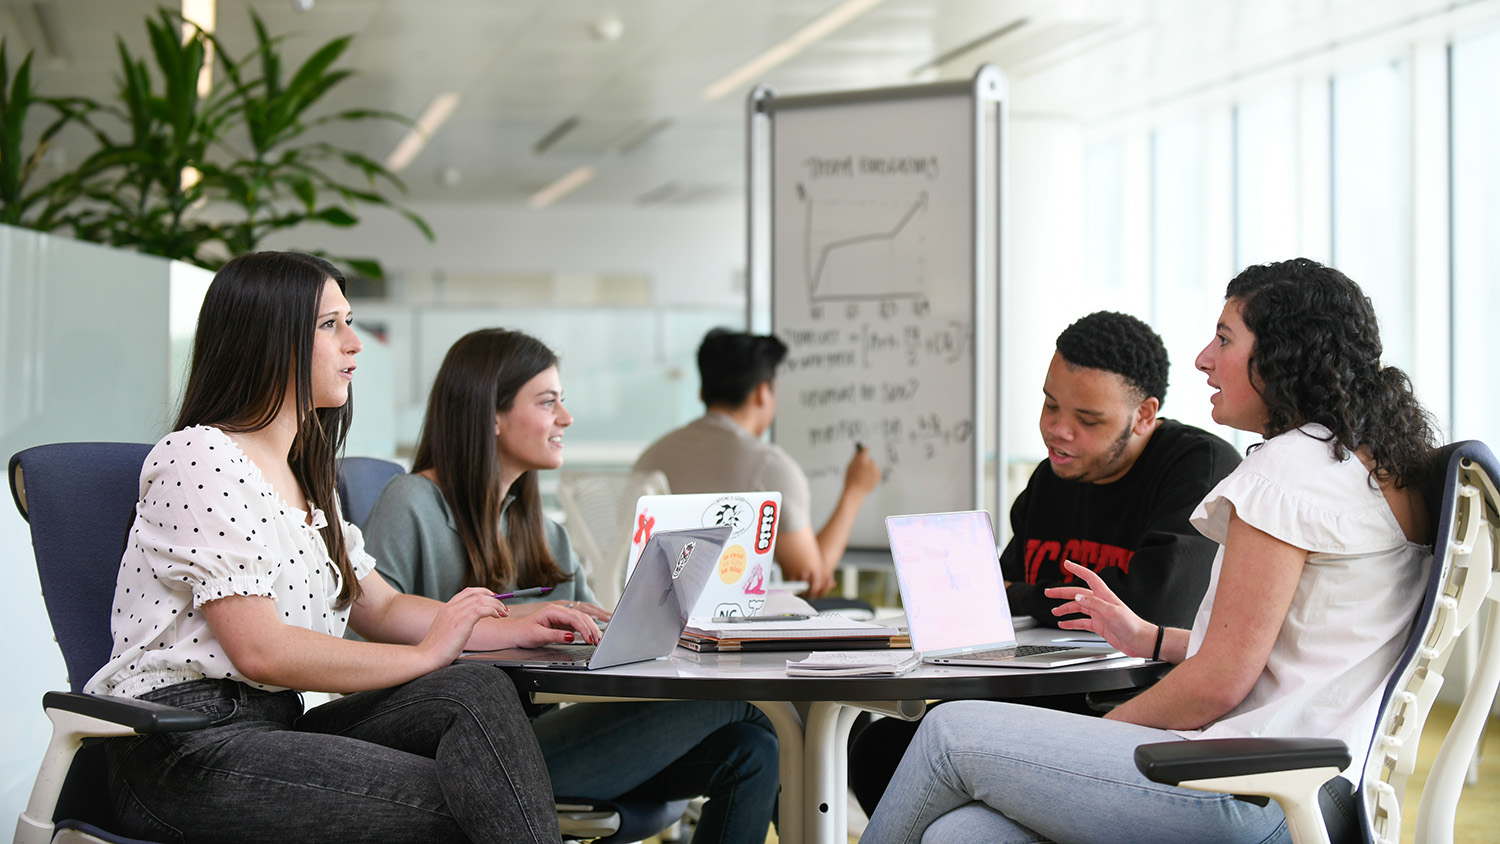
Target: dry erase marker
pixel 755 619
pixel 524 593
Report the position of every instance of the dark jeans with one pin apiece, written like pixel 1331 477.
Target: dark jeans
pixel 446 757
pixel 670 750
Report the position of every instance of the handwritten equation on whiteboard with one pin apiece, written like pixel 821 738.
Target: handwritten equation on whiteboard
pixel 864 384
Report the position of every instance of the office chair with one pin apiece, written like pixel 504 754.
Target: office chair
pixel 360 481
pixel 1464 508
pixel 599 507
pixel 79 499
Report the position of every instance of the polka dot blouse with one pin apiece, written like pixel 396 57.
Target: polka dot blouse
pixel 207 525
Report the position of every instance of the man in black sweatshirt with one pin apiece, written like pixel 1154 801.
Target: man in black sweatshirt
pixel 1114 494
pixel 1119 481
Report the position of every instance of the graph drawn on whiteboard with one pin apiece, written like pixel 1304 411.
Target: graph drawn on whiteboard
pixel 864 249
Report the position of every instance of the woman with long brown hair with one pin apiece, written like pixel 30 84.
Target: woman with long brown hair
pixel 470 515
pixel 235 588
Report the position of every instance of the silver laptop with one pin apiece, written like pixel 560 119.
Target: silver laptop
pixel 744 573
pixel 674 567
pixel 955 600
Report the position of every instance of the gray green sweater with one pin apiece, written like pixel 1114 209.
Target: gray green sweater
pixel 417 549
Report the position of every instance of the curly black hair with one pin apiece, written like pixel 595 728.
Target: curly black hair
pixel 1122 344
pixel 1317 359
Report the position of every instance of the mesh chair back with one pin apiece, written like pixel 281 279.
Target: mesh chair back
pixel 80 501
pixel 360 481
pixel 599 508
pixel 1460 497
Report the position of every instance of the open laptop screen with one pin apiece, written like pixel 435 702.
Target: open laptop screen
pixel 950 580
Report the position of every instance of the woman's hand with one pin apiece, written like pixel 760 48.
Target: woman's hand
pixel 552 623
pixel 593 611
pixel 1106 614
pixel 454 624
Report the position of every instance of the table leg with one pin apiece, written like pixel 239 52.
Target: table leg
pixel 826 804
pixel 791 740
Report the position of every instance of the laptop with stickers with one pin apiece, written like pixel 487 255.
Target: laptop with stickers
pixel 738 587
pixel 954 596
pixel 652 612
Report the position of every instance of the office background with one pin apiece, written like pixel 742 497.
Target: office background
pixel 1156 146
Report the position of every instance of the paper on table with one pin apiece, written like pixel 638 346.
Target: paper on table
pixel 854 664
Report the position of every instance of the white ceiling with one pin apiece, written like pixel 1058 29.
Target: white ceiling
pixel 525 66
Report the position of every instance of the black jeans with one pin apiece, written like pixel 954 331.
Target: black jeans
pixel 446 757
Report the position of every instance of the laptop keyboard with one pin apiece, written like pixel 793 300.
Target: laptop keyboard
pixel 1018 651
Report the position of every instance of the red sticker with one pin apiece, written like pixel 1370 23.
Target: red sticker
pixel 765 536
pixel 643 527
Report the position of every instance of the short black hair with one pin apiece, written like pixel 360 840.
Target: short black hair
pixel 732 364
pixel 1122 344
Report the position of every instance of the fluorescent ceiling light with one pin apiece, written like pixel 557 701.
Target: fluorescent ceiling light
pixel 437 113
pixel 562 187
pixel 800 40
pixel 969 47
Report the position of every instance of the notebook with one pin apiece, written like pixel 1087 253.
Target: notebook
pixel 738 587
pixel 653 609
pixel 954 595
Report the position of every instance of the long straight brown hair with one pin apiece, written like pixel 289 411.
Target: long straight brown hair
pixel 480 376
pixel 255 326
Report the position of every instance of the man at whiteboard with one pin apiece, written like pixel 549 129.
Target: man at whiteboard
pixel 723 451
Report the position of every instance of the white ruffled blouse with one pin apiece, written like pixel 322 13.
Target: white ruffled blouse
pixel 1358 591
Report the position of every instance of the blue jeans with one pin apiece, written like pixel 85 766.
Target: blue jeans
pixel 446 757
pixel 669 750
pixel 1006 774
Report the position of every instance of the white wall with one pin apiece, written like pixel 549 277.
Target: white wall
pixel 91 340
pixel 692 255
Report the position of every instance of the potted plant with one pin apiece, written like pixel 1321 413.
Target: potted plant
pixel 201 178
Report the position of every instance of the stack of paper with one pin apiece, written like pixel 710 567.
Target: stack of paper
pixel 854 664
pixel 803 634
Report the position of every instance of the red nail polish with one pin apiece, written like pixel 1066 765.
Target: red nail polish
pixel 568 636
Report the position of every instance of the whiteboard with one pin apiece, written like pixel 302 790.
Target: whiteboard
pixel 873 288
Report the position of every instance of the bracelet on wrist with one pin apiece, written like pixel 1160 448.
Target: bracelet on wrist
pixel 1161 633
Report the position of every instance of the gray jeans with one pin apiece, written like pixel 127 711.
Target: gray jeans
pixel 446 757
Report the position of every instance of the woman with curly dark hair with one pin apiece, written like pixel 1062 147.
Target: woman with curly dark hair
pixel 1318 575
pixel 1317 352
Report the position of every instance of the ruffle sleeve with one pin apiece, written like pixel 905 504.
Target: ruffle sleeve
pixel 1292 488
pixel 201 534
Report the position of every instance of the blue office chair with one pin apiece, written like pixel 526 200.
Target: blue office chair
pixel 79 499
pixel 360 481
pixel 1464 508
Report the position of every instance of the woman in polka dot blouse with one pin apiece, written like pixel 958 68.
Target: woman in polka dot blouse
pixel 470 514
pixel 235 589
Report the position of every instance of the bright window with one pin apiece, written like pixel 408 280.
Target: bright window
pixel 1475 101
pixel 1372 194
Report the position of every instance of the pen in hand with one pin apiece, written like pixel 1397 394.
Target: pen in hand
pixel 524 593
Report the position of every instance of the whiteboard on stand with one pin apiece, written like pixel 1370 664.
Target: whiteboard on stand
pixel 873 289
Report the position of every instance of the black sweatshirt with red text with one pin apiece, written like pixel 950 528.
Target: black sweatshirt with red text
pixel 1134 532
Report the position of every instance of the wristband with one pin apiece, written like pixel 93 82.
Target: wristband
pixel 1161 633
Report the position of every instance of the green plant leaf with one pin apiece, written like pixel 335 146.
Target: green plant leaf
pixel 336 216
pixel 367 267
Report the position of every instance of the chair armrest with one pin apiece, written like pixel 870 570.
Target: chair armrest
pixel 1290 771
pixel 1173 762
pixel 74 718
pixel 141 716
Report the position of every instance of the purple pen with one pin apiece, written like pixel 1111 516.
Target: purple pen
pixel 524 593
